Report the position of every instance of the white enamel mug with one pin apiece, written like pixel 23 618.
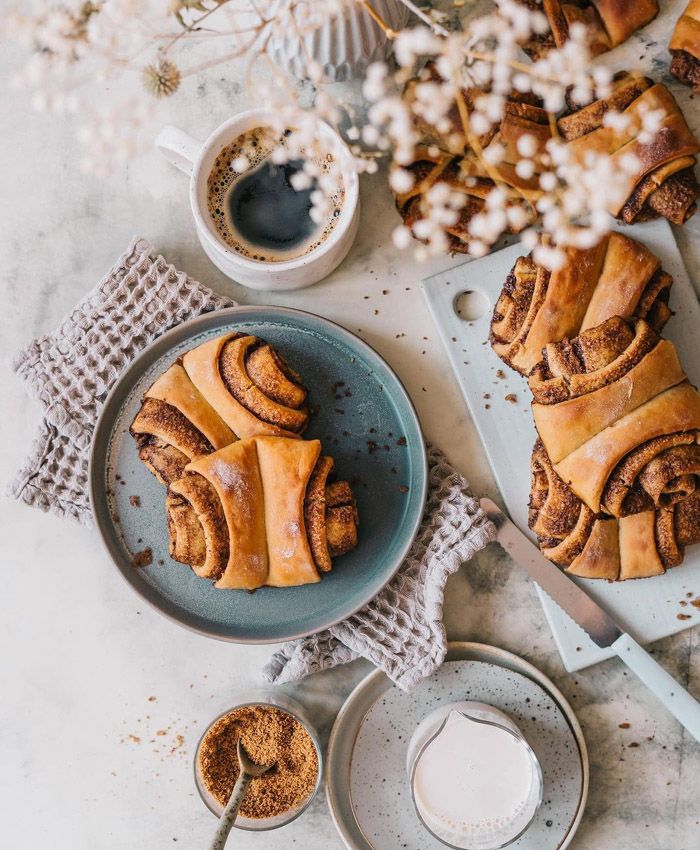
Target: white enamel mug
pixel 197 159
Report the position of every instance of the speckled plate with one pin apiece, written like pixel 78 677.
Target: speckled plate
pixel 361 424
pixel 366 783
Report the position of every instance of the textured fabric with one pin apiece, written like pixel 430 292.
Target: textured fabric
pixel 71 371
pixel 401 629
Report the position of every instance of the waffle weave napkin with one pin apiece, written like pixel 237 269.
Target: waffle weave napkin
pixel 71 371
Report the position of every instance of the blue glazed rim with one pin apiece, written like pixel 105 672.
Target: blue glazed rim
pixel 221 319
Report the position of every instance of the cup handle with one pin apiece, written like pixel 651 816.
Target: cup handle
pixel 178 147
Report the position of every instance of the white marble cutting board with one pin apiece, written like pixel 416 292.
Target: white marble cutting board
pixel 648 608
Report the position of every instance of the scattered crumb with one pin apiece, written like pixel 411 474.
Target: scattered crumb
pixel 487 395
pixel 683 616
pixel 624 725
pixel 500 374
pixel 487 407
pixel 135 501
pixel 403 489
pixel 696 602
pixel 512 398
pixel 144 558
pixel 633 744
pixel 152 699
pixel 402 442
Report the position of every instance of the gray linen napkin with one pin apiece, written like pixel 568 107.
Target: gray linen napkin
pixel 71 371
pixel 401 630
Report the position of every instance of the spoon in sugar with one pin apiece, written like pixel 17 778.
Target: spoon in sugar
pixel 248 770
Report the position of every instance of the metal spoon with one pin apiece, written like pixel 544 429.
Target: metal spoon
pixel 248 770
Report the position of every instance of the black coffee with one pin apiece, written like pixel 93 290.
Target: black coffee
pixel 266 210
pixel 255 208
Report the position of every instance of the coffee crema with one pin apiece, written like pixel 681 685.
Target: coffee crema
pixel 257 211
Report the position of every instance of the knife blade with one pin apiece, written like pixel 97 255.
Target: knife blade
pixel 574 601
pixel 594 620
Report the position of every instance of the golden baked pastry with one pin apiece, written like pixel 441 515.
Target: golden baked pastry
pixel 664 183
pixel 230 387
pixel 618 418
pixel 175 425
pixel 685 46
pixel 607 22
pixel 445 156
pixel 617 277
pixel 249 385
pixel 591 545
pixel 261 512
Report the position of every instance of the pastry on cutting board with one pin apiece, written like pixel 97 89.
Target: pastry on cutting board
pixel 617 277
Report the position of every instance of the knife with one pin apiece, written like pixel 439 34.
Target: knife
pixel 596 622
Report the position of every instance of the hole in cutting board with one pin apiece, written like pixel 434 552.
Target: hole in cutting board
pixel 471 305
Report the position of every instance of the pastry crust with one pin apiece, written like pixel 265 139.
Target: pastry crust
pixel 175 424
pixel 259 512
pixel 588 468
pixel 565 427
pixel 685 46
pixel 175 388
pixel 234 474
pixel 234 395
pixel 607 22
pixel 639 557
pixel 617 277
pixel 285 469
pixel 665 162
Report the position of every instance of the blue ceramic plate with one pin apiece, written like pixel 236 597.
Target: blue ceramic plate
pixel 365 421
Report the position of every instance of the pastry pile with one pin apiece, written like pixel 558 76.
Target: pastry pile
pixel 615 486
pixel 664 184
pixel 249 502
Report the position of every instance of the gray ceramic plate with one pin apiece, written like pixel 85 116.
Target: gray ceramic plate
pixel 366 785
pixel 364 412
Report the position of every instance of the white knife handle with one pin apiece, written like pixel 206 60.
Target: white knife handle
pixel 673 695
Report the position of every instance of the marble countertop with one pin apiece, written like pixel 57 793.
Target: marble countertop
pixel 102 699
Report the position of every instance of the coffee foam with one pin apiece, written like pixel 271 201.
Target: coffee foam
pixel 256 145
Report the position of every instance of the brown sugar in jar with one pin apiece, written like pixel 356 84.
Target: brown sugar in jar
pixel 269 735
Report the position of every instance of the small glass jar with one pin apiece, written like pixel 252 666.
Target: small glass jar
pixel 291 707
pixel 493 836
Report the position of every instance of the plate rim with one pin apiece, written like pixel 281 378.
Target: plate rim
pixel 468 650
pixel 158 348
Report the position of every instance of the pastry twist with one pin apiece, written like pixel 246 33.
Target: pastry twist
pixel 607 22
pixel 592 545
pixel 444 155
pixel 618 418
pixel 231 387
pixel 663 184
pixel 617 277
pixel 261 512
pixel 685 46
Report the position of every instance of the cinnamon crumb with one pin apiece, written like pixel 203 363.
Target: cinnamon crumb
pixel 683 616
pixel 512 398
pixel 144 558
pixel 135 501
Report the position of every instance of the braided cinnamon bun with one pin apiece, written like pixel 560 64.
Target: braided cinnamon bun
pixel 592 545
pixel 663 184
pixel 617 277
pixel 230 387
pixel 261 512
pixel 618 418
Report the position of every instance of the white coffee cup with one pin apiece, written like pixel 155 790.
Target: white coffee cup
pixel 197 159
